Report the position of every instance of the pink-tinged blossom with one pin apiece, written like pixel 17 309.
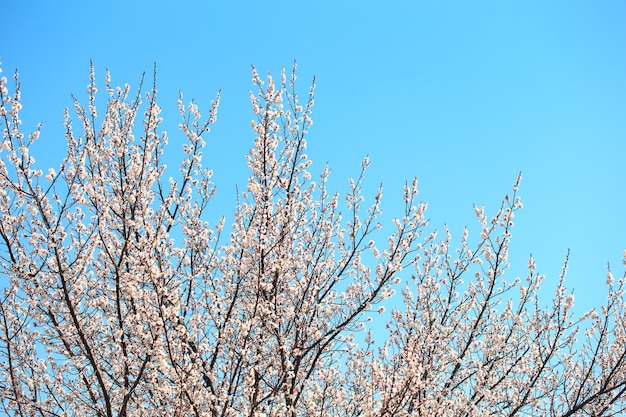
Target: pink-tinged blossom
pixel 124 298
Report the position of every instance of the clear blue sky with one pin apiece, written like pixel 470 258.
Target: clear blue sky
pixel 461 94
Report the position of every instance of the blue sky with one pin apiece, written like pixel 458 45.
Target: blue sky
pixel 461 94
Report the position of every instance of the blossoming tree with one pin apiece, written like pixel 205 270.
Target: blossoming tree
pixel 121 299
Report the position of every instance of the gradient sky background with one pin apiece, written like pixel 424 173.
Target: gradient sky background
pixel 461 94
